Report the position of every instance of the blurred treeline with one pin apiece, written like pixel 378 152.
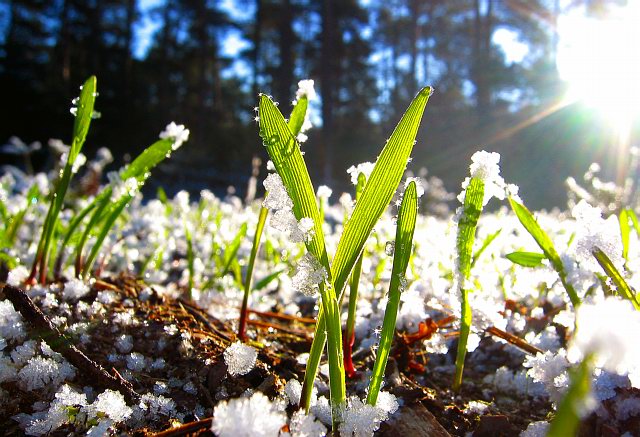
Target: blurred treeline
pixel 368 59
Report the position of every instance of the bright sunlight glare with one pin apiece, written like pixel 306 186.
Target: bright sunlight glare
pixel 599 58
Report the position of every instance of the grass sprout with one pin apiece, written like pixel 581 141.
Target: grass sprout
pixel 407 213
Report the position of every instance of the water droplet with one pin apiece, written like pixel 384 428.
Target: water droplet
pixel 402 286
pixel 273 139
pixel 389 248
pixel 426 91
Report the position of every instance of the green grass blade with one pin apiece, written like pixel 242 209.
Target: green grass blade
pixel 487 241
pixel 377 194
pixel 567 419
pixel 232 250
pixel 288 161
pixel 545 243
pixel 113 215
pixel 296 119
pixel 102 205
pixel 406 224
pixel 262 219
pixel 148 159
pixel 621 285
pixel 262 283
pixel 14 224
pixel 624 233
pixel 467 225
pixel 80 129
pixel 634 220
pixel 526 259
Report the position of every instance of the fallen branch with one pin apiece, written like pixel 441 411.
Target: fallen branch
pixel 186 428
pixel 40 326
pixel 514 340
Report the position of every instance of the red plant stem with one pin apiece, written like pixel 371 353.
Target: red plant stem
pixel 242 328
pixel 347 346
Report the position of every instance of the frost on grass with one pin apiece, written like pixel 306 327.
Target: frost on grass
pixel 256 416
pixel 484 166
pixel 175 132
pixel 309 275
pixel 593 232
pixel 305 89
pixel 240 358
pixel 283 219
pixel 365 168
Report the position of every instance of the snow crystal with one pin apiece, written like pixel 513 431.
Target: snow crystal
pixel 476 407
pixel 121 188
pixel 293 390
pixel 309 274
pixel 606 383
pixel 303 425
pixel 11 326
pixel 17 276
pixel 361 419
pixel 135 361
pixel 42 372
pixel 551 370
pixel 536 429
pixel 23 353
pixel 593 232
pixel 124 343
pixel 484 166
pixel 365 168
pixel 387 402
pixel 110 403
pixel 324 192
pixel 305 88
pixel 627 408
pixel 240 358
pixel 322 410
pixel 247 417
pixel 277 197
pixel 609 330
pixel 8 370
pixel 177 133
pixel 58 413
pixel 75 289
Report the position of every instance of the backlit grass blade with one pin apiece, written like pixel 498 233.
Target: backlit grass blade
pixel 567 419
pixel 487 241
pixel 232 249
pixel 267 280
pixel 624 233
pixel 406 224
pixel 14 224
pixel 634 220
pixel 377 194
pixel 80 128
pixel 288 161
pixel 526 259
pixel 621 285
pixel 296 119
pixel 467 225
pixel 545 243
pixel 148 159
pixel 349 337
pixel 262 218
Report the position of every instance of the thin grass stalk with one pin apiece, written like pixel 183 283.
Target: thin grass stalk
pixel 262 219
pixel 349 337
pixel 467 225
pixel 621 285
pixel 406 224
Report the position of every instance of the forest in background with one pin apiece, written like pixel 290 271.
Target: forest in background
pixel 368 59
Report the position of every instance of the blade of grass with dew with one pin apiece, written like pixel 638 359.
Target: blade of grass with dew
pixel 467 225
pixel 232 249
pixel 406 224
pixel 621 285
pixel 378 192
pixel 262 219
pixel 545 243
pixel 289 163
pixel 349 337
pixel 81 125
pixel 487 241
pixel 566 421
pixel 624 233
pixel 526 259
pixel 14 224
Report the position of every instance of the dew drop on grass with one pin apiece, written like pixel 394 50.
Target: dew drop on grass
pixel 389 248
pixel 402 283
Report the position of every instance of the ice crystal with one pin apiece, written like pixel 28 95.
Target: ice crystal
pixel 111 404
pixel 136 361
pixel 309 274
pixel 74 289
pixel 419 185
pixel 303 425
pixel 240 358
pixel 17 276
pixel 365 168
pixel 40 372
pixel 360 419
pixel 11 325
pixel 536 429
pixel 551 370
pixel 256 416
pixel 324 192
pixel 305 88
pixel 593 232
pixel 484 166
pixel 177 133
pixel 277 197
pixel 293 390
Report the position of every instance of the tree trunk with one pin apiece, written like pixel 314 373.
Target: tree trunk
pixel 327 86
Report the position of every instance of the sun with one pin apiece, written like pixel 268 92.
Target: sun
pixel 599 58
